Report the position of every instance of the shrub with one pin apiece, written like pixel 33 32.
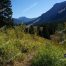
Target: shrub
pixel 49 56
pixel 8 52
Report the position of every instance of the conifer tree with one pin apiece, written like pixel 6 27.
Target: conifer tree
pixel 5 12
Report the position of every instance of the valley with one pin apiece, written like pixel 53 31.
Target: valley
pixel 37 41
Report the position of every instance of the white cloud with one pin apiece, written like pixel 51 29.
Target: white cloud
pixel 30 7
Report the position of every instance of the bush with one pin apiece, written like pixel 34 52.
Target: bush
pixel 49 56
pixel 21 47
pixel 8 52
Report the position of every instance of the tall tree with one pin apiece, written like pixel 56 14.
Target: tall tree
pixel 5 12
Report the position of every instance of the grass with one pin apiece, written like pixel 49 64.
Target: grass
pixel 15 45
pixel 49 55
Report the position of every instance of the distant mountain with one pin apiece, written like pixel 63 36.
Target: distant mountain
pixel 21 20
pixel 56 14
pixel 24 19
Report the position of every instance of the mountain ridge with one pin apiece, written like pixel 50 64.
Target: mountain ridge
pixel 56 14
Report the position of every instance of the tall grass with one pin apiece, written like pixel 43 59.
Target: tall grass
pixel 15 44
pixel 50 55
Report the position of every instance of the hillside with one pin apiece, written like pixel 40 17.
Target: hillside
pixel 56 14
pixel 22 49
pixel 37 41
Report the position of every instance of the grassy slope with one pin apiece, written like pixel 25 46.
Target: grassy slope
pixel 22 48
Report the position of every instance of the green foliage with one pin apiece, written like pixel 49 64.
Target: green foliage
pixel 16 45
pixel 6 13
pixel 60 26
pixel 49 56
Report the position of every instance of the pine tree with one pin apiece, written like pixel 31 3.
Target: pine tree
pixel 5 12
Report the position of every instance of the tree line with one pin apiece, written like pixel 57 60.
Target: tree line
pixel 45 30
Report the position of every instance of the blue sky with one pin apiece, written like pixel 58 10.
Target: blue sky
pixel 31 8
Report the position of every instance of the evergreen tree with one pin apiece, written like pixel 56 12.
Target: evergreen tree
pixel 31 30
pixel 5 12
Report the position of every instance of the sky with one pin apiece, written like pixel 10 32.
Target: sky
pixel 31 8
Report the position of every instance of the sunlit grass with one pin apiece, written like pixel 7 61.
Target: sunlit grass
pixel 15 44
